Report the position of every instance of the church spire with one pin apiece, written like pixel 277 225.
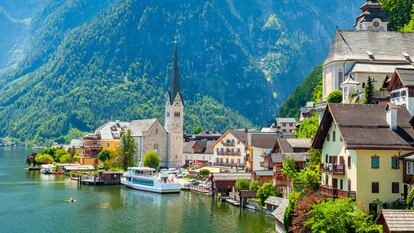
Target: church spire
pixel 175 80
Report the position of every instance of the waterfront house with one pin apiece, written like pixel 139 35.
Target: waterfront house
pixel 231 149
pixel 199 153
pixel 223 183
pixel 149 135
pixel 396 220
pixel 260 145
pixel 89 150
pixel 262 176
pixel 401 87
pixel 368 51
pixel 361 148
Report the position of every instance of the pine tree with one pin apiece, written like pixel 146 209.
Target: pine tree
pixel 127 150
pixel 369 92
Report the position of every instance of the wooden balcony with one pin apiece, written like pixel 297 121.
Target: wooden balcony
pixel 333 168
pixel 336 193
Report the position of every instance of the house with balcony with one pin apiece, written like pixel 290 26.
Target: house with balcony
pixel 401 87
pixel 361 147
pixel 231 149
pixel 89 150
pixel 408 172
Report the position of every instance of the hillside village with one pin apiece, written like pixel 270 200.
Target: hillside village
pixel 363 150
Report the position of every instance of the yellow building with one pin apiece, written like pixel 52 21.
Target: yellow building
pixel 361 148
pixel 110 134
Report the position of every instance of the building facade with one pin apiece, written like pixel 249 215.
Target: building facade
pixel 361 148
pixel 231 149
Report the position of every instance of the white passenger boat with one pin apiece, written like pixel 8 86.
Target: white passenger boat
pixel 147 179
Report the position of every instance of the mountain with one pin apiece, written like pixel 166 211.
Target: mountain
pixel 88 61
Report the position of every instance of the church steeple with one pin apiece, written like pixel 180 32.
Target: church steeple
pixel 175 80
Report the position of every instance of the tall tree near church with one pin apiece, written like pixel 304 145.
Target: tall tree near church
pixel 369 92
pixel 127 150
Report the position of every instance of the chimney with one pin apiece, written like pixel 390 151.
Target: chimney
pixel 391 116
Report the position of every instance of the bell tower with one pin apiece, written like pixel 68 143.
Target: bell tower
pixel 174 118
pixel 372 18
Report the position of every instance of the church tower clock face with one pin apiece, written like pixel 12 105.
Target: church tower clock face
pixel 177 104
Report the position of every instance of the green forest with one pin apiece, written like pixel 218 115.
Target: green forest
pixel 87 62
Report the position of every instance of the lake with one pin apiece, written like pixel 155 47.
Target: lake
pixel 33 202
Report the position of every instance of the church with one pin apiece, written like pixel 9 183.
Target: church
pixel 370 50
pixel 150 134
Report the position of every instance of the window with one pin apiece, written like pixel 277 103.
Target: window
pixel 333 135
pixel 284 124
pixel 168 114
pixel 395 187
pixel 291 124
pixel 108 145
pixel 341 184
pixel 375 161
pixel 328 137
pixel 326 179
pixel 404 93
pixel 349 162
pixel 395 163
pixel 375 187
pixel 177 114
pixel 156 130
pixel 410 168
pixel 340 76
pixel 349 184
pixel 326 158
pixel 155 147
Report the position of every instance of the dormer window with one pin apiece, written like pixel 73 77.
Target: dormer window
pixel 370 55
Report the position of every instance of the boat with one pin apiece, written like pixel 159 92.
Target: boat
pixel 47 169
pixel 147 179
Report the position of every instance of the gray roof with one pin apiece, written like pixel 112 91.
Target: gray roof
pixel 263 140
pixel 297 157
pixel 112 130
pixel 365 126
pixel 188 147
pixel 399 220
pixel 279 212
pixel 139 127
pixel 264 172
pixel 384 45
pixel 363 67
pixel 276 201
pixel 299 142
pixel 285 120
pixel 231 176
pixel 406 76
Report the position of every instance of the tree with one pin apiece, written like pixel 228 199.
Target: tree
pixel 242 184
pixel 204 172
pixel 287 218
pixel 309 127
pixel 369 92
pixel 197 129
pixel 340 216
pixel 315 157
pixel 306 179
pixel 44 158
pixel 254 186
pixel 104 155
pixel 151 159
pixel 334 97
pixel 398 11
pixel 127 150
pixel 266 191
pixel 66 158
pixel 301 206
pixel 410 198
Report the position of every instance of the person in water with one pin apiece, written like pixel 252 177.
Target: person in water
pixel 71 200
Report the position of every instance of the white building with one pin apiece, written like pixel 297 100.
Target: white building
pixel 401 87
pixel 231 149
pixel 368 51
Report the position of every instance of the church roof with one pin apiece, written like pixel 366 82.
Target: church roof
pixel 175 80
pixel 139 127
pixel 385 46
pixel 112 130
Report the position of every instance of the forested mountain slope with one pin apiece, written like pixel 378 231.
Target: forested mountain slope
pixel 88 62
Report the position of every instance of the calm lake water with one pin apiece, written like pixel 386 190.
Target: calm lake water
pixel 32 202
